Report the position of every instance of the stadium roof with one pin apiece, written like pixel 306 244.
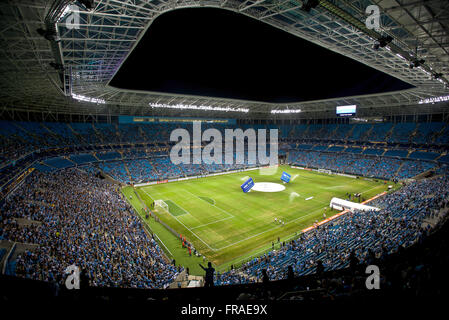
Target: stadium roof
pixel 85 58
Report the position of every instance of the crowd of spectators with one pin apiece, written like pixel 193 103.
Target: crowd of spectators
pixel 79 219
pixel 359 236
pixel 374 166
pixel 82 220
pixel 138 141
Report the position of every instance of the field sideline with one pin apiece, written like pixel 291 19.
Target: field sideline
pixel 227 225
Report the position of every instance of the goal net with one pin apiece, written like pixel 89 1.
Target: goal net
pixel 161 204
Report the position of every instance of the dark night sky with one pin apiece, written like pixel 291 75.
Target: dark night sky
pixel 218 53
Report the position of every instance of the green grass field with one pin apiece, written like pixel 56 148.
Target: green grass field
pixel 229 226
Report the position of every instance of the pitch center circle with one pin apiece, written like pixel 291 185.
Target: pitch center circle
pixel 268 187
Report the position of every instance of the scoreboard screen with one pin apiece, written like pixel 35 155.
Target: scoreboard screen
pixel 346 111
pixel 247 185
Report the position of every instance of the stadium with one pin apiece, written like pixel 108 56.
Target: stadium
pixel 223 150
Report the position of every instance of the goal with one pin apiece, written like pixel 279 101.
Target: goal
pixel 161 204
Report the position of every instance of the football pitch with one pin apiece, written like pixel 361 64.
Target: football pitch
pixel 226 225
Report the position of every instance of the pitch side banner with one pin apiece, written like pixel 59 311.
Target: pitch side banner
pixel 285 177
pixel 247 185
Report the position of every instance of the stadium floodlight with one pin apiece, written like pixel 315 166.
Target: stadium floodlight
pixel 194 107
pixel 87 99
pixel 434 99
pixel 359 119
pixel 285 111
pixel 64 13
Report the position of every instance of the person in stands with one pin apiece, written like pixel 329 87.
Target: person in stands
pixel 209 278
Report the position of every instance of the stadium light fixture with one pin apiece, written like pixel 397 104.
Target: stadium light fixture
pixel 359 119
pixel 434 99
pixel 284 111
pixel 194 107
pixel 80 97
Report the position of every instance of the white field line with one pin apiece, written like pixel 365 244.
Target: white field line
pixel 190 229
pixel 132 204
pixel 163 244
pixel 280 226
pixel 271 229
pixel 318 201
pixel 335 187
pixel 218 249
pixel 179 207
pixel 301 176
pixel 275 227
pixel 213 249
pixel 203 225
pixel 143 189
pixel 370 189
pixel 232 216
pixel 294 234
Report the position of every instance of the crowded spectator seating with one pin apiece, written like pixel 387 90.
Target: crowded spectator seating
pixel 355 163
pixel 362 236
pixel 53 146
pixel 70 213
pixel 75 218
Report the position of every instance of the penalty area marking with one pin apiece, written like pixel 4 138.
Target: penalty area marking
pixel 213 205
pixel 213 249
pixel 143 189
pixel 205 199
pixel 250 237
pixel 206 224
